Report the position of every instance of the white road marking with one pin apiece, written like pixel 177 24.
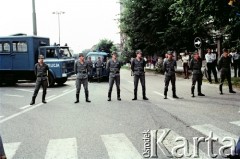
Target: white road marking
pixel 25 90
pixel 219 134
pixel 33 107
pixel 66 90
pixel 27 106
pixel 11 149
pixel 236 123
pixel 51 96
pixel 1 116
pixel 131 82
pixel 119 147
pixel 62 149
pixel 13 95
pixel 173 140
pixel 162 95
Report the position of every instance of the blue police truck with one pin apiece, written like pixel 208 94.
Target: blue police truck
pixel 19 54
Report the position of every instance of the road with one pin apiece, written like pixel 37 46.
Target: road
pixel 113 130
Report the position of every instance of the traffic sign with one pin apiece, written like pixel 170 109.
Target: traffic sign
pixel 197 42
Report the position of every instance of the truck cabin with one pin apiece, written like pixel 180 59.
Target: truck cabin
pixel 59 52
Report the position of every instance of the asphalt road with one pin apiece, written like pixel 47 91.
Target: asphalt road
pixel 114 130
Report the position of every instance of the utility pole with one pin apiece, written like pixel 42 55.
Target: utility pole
pixel 58 13
pixel 34 18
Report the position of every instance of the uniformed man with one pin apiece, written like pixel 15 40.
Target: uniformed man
pixel 224 66
pixel 195 66
pixel 169 67
pixel 41 72
pixel 99 67
pixel 90 69
pixel 211 65
pixel 137 66
pixel 113 66
pixel 81 70
pixel 2 152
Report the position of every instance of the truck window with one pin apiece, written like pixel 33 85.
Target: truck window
pixel 64 52
pixel 4 47
pixel 19 46
pixel 51 53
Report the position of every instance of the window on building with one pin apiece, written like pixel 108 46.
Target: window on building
pixel 4 47
pixel 20 46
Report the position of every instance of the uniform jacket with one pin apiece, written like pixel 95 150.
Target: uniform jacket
pixel 169 67
pixel 81 69
pixel 41 72
pixel 195 66
pixel 113 68
pixel 137 67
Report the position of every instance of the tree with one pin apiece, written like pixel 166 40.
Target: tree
pixel 106 46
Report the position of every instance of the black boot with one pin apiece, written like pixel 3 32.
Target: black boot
pixel 144 96
pixel 231 89
pixel 135 96
pixel 33 100
pixel 43 99
pixel 77 98
pixel 118 95
pixel 220 89
pixel 192 91
pixel 174 95
pixel 109 96
pixel 87 99
pixel 200 91
pixel 165 94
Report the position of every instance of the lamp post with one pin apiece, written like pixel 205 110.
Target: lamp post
pixel 58 13
pixel 34 18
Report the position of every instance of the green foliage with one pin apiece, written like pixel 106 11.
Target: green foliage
pixel 106 46
pixel 158 25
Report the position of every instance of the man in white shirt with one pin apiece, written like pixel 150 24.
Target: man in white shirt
pixel 211 65
pixel 185 64
pixel 236 63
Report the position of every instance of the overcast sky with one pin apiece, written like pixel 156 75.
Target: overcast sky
pixel 84 23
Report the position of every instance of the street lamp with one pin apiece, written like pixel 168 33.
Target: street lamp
pixel 58 13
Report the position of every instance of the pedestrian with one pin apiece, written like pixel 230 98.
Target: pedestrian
pixel 99 67
pixel 195 66
pixel 137 66
pixel 2 152
pixel 113 66
pixel 236 63
pixel 81 70
pixel 211 65
pixel 41 71
pixel 90 69
pixel 185 64
pixel 169 67
pixel 224 66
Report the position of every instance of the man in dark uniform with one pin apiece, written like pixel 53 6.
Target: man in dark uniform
pixel 113 66
pixel 41 72
pixel 224 66
pixel 2 153
pixel 169 69
pixel 90 69
pixel 137 67
pixel 99 67
pixel 81 70
pixel 195 66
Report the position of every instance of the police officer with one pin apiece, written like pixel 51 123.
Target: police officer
pixel 113 66
pixel 137 67
pixel 99 67
pixel 195 66
pixel 169 69
pixel 41 72
pixel 2 153
pixel 81 70
pixel 90 69
pixel 224 66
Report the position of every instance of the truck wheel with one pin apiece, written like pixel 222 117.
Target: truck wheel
pixel 51 80
pixel 61 81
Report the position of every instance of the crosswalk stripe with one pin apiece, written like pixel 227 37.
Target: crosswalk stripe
pixel 218 133
pixel 119 147
pixel 170 143
pixel 11 149
pixel 236 123
pixel 62 149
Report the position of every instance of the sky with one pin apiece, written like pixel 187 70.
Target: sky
pixel 84 23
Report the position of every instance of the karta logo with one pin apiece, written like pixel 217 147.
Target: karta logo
pixel 171 146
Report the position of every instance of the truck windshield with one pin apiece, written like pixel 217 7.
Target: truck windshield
pixel 64 53
pixel 95 57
